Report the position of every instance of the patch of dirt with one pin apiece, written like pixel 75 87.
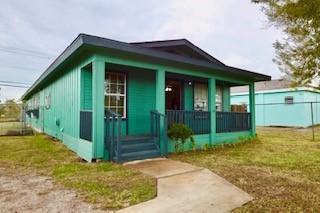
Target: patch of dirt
pixel 32 193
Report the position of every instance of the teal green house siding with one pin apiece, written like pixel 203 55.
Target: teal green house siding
pixel 271 109
pixel 75 84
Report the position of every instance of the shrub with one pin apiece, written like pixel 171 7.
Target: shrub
pixel 179 133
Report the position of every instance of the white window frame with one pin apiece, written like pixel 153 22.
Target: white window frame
pixel 117 94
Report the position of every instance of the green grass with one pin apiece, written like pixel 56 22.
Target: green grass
pixel 281 169
pixel 108 185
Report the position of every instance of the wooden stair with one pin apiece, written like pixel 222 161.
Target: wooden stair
pixel 137 148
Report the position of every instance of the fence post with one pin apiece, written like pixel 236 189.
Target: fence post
pixel 312 122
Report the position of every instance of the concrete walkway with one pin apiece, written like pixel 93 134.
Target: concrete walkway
pixel 186 188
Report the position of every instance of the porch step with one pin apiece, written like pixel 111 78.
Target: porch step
pixel 133 147
pixel 136 148
pixel 139 155
pixel 135 138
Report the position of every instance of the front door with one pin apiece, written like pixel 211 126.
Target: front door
pixel 173 94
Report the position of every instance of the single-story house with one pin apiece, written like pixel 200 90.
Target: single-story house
pixel 278 104
pixel 113 100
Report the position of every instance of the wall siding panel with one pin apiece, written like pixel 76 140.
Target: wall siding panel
pixel 141 100
pixel 61 119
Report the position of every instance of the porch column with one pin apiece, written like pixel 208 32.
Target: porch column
pixel 212 108
pixel 160 93
pixel 252 108
pixel 98 75
pixel 161 106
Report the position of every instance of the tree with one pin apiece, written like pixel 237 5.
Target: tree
pixel 10 111
pixel 298 55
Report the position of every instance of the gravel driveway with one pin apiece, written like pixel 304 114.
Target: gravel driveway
pixel 32 193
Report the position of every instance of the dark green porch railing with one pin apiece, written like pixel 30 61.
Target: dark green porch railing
pixel 233 121
pixel 113 134
pixel 158 131
pixel 198 121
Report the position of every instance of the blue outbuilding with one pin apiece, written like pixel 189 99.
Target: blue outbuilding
pixel 278 104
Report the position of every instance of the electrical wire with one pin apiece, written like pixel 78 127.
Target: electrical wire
pixel 12 85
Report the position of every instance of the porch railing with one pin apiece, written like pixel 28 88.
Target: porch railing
pixel 86 125
pixel 233 121
pixel 113 134
pixel 198 121
pixel 158 131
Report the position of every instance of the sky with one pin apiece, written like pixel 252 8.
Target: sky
pixel 33 33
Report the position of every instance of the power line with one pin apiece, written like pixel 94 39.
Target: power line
pixel 19 67
pixel 24 53
pixel 12 85
pixel 14 82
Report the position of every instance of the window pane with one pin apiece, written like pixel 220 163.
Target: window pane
pixel 120 111
pixel 112 78
pixel 113 101
pixel 121 79
pixel 113 89
pixel 106 101
pixel 121 89
pixel 113 109
pixel 121 101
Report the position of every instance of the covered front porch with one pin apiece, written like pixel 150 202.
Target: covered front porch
pixel 126 108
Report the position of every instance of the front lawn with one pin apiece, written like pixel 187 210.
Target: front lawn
pixel 281 170
pixel 108 185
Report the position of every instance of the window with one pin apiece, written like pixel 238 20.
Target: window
pixel 115 93
pixel 200 97
pixel 288 100
pixel 219 107
pixel 36 103
pixel 47 101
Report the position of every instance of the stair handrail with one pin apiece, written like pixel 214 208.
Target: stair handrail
pixel 155 121
pixel 113 135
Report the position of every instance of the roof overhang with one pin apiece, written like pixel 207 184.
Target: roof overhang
pixel 89 41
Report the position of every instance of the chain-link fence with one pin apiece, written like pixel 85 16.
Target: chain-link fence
pixel 289 114
pixel 13 120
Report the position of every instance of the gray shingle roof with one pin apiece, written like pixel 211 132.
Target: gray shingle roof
pixel 89 41
pixel 264 85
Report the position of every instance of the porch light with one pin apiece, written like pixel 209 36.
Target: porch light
pixel 189 83
pixel 168 89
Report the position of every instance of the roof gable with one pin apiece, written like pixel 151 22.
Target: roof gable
pixel 181 47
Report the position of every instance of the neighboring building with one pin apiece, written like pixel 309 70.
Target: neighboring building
pixel 148 86
pixel 277 104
